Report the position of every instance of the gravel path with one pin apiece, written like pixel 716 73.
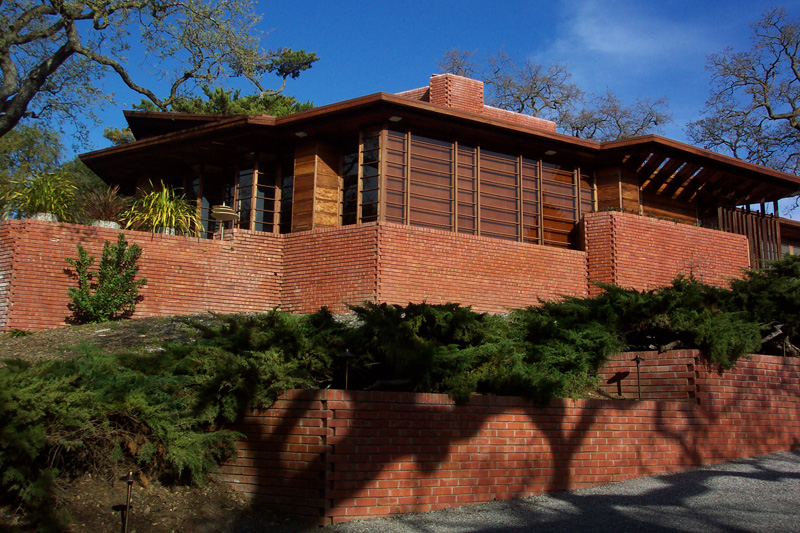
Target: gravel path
pixel 760 494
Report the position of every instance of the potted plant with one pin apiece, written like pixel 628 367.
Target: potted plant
pixel 163 210
pixel 42 196
pixel 104 206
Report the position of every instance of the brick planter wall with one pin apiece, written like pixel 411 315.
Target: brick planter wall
pixel 494 275
pixel 334 456
pixel 664 376
pixel 185 275
pixel 640 252
pixel 332 267
pixel 299 272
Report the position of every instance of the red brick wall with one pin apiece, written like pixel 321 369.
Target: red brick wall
pixel 332 267
pixel 664 376
pixel 367 454
pixel 494 275
pixel 467 94
pixel 299 272
pixel 518 118
pixel 644 253
pixel 457 92
pixel 185 275
pixel 287 444
pixel 7 245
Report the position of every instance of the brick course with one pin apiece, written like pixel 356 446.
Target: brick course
pixel 334 456
pixel 642 253
pixel 298 272
pixel 494 275
pixel 185 275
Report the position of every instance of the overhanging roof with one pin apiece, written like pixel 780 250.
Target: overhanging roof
pixel 663 166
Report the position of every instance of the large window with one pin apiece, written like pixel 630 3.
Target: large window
pixel 264 195
pixel 469 189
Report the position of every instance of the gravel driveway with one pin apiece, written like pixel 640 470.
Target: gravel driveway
pixel 760 494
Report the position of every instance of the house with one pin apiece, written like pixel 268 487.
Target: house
pixel 428 195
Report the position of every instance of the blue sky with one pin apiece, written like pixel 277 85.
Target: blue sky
pixel 637 49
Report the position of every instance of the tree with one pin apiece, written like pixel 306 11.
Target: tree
pixel 52 53
pixel 230 102
pixel 547 92
pixel 753 111
pixel 217 101
pixel 28 150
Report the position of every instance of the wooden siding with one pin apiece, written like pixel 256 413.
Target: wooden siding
pixel 762 232
pixel 664 207
pixel 316 187
pixel 326 195
pixel 618 188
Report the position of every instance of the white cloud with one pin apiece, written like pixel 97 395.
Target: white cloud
pixel 629 30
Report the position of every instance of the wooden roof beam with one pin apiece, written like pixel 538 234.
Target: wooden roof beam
pixel 679 178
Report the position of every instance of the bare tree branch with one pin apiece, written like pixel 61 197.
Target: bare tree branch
pixel 547 92
pixel 753 111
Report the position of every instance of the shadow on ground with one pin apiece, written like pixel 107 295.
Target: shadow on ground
pixel 751 495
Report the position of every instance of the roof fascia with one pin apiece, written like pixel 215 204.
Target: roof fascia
pixel 231 122
pixel 217 123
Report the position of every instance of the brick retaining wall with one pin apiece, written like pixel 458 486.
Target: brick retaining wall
pixel 334 456
pixel 185 275
pixel 298 272
pixel 494 275
pixel 641 252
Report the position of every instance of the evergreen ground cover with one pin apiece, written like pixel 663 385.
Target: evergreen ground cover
pixel 161 410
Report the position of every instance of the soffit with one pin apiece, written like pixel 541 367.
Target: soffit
pixel 682 172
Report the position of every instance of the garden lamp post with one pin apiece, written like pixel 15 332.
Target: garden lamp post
pixel 638 375
pixel 129 479
pixel 346 355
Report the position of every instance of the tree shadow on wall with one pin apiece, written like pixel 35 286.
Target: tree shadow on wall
pixel 372 449
pixel 729 497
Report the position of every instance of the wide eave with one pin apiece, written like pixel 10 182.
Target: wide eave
pixel 663 166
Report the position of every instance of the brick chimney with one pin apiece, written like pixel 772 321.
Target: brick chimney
pixel 457 92
pixel 466 94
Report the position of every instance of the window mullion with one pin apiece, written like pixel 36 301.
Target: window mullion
pixel 540 194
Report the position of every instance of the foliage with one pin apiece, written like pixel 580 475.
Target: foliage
pixel 770 296
pixel 230 102
pixel 687 312
pixel 546 92
pixel 47 192
pixel 63 417
pixel 26 151
pixel 30 151
pixel 753 112
pixel 103 203
pixel 113 291
pixel 82 176
pixel 59 418
pixel 53 54
pixel 118 136
pixel 162 209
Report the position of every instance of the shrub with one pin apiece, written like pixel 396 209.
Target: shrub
pixel 113 291
pixel 103 203
pixel 162 210
pixel 46 192
pixel 61 418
